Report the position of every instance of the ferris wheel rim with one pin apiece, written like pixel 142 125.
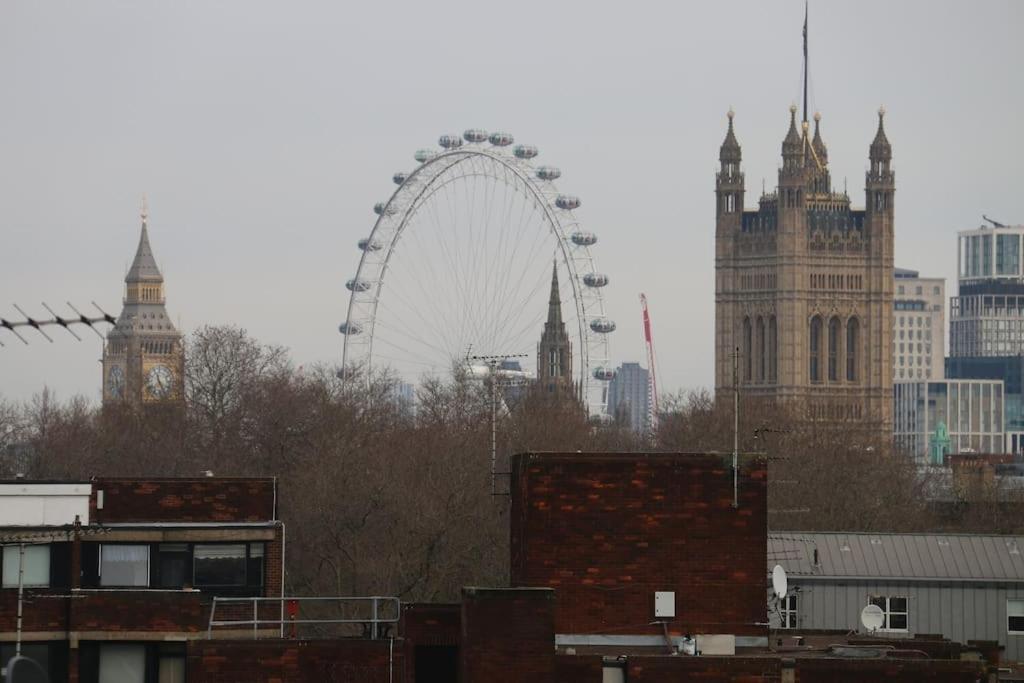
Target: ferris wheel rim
pixel 407 199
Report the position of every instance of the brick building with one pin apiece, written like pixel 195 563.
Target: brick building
pixel 114 576
pixel 615 560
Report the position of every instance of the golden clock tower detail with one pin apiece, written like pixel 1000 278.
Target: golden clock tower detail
pixel 143 357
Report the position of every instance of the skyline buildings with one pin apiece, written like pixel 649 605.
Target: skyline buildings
pixel 629 396
pixel 232 202
pixel 919 329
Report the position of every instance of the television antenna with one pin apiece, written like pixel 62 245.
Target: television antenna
pixel 39 323
pixel 872 618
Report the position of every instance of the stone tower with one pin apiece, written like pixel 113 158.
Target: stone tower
pixel 803 282
pixel 554 352
pixel 143 357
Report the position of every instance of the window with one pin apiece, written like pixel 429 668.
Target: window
pixel 895 612
pixel 762 365
pixel 833 350
pixel 1015 616
pixel 228 566
pixel 787 611
pixel 747 350
pixel 173 565
pixel 124 565
pixel 773 349
pixel 815 340
pixel 852 348
pixel 35 567
pixel 122 663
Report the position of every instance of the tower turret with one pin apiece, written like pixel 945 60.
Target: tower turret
pixel 881 180
pixel 729 180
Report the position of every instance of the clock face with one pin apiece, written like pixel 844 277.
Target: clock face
pixel 115 381
pixel 160 381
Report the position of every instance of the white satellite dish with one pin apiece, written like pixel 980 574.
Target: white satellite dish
pixel 872 617
pixel 779 582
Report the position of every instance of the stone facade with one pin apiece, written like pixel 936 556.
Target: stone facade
pixel 143 357
pixel 804 283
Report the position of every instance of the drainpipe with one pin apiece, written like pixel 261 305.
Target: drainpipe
pixel 21 595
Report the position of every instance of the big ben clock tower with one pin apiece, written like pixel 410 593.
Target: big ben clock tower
pixel 143 357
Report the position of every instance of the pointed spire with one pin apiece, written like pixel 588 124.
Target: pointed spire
pixel 793 143
pixel 555 301
pixel 819 145
pixel 144 268
pixel 880 147
pixel 730 150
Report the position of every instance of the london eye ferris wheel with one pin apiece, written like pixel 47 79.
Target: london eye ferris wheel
pixel 458 264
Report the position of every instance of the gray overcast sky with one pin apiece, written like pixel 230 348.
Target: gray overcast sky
pixel 263 133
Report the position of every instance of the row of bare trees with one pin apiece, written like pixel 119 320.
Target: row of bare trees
pixel 382 499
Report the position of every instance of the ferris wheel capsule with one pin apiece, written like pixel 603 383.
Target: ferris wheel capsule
pixel 400 177
pixel 549 172
pixel 582 238
pixel 525 151
pixel 568 202
pixel 424 155
pixel 602 325
pixel 604 374
pixel 357 285
pixel 380 208
pixel 366 244
pixel 450 141
pixel 350 328
pixel 501 139
pixel 475 135
pixel 595 279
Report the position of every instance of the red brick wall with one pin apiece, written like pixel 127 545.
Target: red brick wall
pixel 608 530
pixel 892 671
pixel 294 661
pixel 427 624
pixel 579 669
pixel 507 635
pixel 139 611
pixel 183 500
pixel 39 612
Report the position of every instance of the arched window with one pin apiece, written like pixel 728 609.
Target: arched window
pixel 815 355
pixel 762 366
pixel 747 356
pixel 773 350
pixel 852 349
pixel 833 350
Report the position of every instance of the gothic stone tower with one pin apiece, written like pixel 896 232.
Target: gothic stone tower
pixel 803 283
pixel 143 358
pixel 554 352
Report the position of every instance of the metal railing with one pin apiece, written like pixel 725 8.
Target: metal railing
pixel 382 611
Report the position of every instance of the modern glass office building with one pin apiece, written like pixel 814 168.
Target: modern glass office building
pixel 970 410
pixel 987 316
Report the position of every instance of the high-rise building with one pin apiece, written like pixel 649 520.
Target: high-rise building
pixel 986 318
pixel 966 414
pixel 554 352
pixel 918 329
pixel 143 357
pixel 629 396
pixel 804 282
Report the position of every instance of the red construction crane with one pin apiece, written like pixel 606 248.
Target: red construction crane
pixel 652 380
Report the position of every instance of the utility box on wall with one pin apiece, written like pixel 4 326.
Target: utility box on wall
pixel 664 605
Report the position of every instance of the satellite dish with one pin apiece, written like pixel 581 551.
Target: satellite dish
pixel 779 582
pixel 25 670
pixel 872 617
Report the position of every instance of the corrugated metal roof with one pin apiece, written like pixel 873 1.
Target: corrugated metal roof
pixel 950 557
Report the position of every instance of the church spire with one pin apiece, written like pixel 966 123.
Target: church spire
pixel 144 268
pixel 881 150
pixel 555 301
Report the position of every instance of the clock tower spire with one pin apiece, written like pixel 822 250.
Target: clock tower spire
pixel 143 357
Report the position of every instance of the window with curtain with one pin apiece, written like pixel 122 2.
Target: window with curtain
pixel 124 565
pixel 219 565
pixel 1015 616
pixel 120 663
pixel 35 566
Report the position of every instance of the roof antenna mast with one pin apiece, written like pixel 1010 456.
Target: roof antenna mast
pixel 805 61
